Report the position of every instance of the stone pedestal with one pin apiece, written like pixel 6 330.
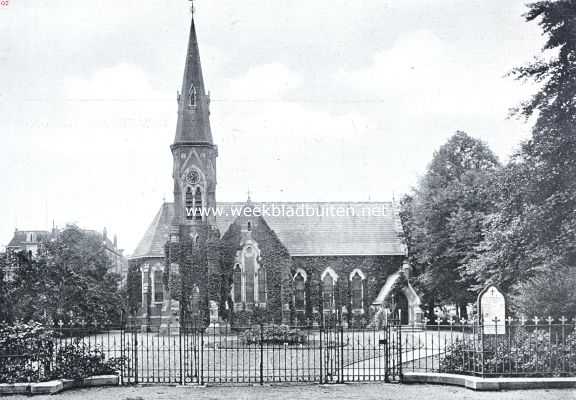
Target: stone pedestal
pixel 217 325
pixel 315 317
pixel 170 321
pixel 286 314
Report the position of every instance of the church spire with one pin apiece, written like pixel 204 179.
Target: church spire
pixel 193 126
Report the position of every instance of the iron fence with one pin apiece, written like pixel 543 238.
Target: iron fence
pixel 192 354
pixel 510 348
pixel 261 354
pixel 34 352
pixel 258 354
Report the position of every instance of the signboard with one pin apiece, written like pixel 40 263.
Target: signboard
pixel 492 311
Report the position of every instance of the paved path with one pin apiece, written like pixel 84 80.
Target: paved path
pixel 307 392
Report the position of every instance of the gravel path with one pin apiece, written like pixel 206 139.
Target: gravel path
pixel 307 392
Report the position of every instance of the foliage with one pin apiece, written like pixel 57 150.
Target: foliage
pixel 69 280
pixel 529 353
pixel 274 258
pixel 443 218
pixel 26 351
pixel 273 334
pixel 78 360
pixel 534 231
pixel 551 294
pixel 191 256
pixel 5 304
pixel 134 289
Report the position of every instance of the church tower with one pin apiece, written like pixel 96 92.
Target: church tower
pixel 194 153
pixel 192 251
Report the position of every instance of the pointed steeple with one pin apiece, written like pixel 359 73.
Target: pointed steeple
pixel 193 126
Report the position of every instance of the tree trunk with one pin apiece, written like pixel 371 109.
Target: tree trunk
pixel 430 311
pixel 463 310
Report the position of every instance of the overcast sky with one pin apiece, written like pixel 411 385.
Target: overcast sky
pixel 312 100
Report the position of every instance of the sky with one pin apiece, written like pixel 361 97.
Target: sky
pixel 324 100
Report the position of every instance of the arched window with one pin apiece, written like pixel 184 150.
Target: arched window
pixel 357 292
pixel 328 292
pixel 261 285
pixel 249 273
pixel 237 278
pixel 299 292
pixel 195 301
pixel 198 205
pixel 192 96
pixel 158 286
pixel 189 203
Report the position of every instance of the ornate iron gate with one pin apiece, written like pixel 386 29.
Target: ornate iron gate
pixel 260 354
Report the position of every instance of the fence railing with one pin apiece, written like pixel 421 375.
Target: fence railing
pixel 258 354
pixel 511 348
pixel 34 352
pixel 192 354
pixel 262 354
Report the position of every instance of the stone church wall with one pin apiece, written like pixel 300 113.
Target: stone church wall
pixel 376 270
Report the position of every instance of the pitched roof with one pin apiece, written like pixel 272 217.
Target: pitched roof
pixel 361 232
pixel 156 236
pixel 20 238
pixel 386 291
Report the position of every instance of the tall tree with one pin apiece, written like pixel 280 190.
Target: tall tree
pixel 551 152
pixel 443 218
pixel 534 231
pixel 68 280
pixel 5 313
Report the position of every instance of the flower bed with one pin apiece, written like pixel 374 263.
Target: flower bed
pixel 273 334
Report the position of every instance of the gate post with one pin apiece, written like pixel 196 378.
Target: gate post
pixel 386 352
pixel 201 353
pixel 181 351
pixel 400 375
pixel 135 353
pixel 122 350
pixel 261 354
pixel 341 349
pixel 321 354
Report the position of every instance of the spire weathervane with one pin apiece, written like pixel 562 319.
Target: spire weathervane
pixel 191 6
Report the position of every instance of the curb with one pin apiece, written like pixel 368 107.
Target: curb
pixel 489 384
pixel 57 386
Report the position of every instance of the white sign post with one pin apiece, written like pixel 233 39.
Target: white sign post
pixel 492 310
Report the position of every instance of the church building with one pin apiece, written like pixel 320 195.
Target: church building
pixel 251 262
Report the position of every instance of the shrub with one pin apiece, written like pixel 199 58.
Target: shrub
pixel 534 353
pixel 273 334
pixel 26 351
pixel 28 354
pixel 78 360
pixel 551 294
